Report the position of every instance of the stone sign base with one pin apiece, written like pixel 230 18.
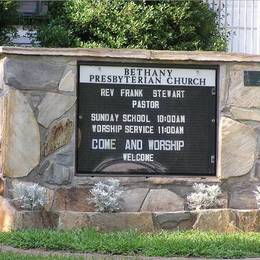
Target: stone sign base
pixel 38 126
pixel 219 220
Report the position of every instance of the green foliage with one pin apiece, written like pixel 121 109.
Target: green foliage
pixel 56 34
pixel 8 18
pixel 166 25
pixel 189 243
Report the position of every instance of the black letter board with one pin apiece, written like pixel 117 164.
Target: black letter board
pixel 143 119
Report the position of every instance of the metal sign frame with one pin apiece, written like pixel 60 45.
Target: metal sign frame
pixel 152 65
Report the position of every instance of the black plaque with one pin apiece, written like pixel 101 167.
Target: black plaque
pixel 252 78
pixel 145 129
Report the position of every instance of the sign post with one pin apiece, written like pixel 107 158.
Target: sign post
pixel 146 120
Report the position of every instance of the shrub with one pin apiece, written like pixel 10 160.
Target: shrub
pixel 8 18
pixel 166 25
pixel 106 195
pixel 29 195
pixel 56 34
pixel 204 196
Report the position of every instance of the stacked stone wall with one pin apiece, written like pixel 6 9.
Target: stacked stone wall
pixel 1 112
pixel 38 113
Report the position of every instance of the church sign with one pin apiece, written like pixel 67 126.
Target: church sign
pixel 143 119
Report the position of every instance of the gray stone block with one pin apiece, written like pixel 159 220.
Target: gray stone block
pixel 248 220
pixel 53 106
pixel 66 155
pixel 133 199
pixel 106 221
pixel 37 219
pixel 58 174
pixel 242 199
pixel 73 199
pixel 238 148
pixel 219 220
pixel 174 220
pixel 162 200
pixel 70 220
pixel 1 74
pixel 239 95
pixel 68 81
pixel 32 74
pixel 21 151
pixel 251 114
pixel 58 135
pixel 257 169
pixel 123 221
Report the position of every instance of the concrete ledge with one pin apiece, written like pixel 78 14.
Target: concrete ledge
pixel 219 220
pixel 138 54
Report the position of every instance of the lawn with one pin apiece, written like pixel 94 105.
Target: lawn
pixel 15 256
pixel 190 243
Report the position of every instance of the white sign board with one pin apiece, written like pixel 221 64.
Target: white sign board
pixel 147 76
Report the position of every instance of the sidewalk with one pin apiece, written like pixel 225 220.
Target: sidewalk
pixel 88 256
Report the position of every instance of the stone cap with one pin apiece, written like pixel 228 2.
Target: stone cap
pixel 138 54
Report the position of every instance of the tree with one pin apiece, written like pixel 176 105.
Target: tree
pixel 8 18
pixel 166 25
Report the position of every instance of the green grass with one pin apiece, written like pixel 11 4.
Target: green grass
pixel 190 243
pixel 15 256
